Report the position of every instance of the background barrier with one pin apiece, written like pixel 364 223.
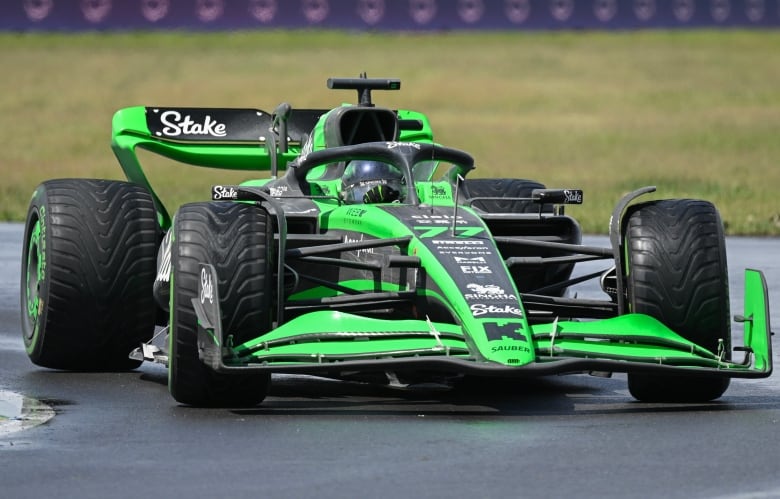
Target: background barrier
pixel 413 15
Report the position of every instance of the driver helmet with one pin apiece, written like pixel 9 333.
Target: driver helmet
pixel 360 176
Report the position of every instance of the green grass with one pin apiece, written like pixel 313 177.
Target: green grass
pixel 695 113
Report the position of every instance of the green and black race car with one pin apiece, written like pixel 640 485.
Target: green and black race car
pixel 367 255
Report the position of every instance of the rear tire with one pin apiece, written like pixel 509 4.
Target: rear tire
pixel 88 265
pixel 677 273
pixel 233 237
pixel 502 188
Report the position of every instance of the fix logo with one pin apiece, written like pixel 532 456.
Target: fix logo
pixel 475 269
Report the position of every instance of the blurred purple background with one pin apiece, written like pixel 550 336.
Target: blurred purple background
pixel 412 15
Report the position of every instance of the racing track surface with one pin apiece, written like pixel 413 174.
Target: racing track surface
pixel 121 435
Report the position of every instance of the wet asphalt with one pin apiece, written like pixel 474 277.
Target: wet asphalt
pixel 122 435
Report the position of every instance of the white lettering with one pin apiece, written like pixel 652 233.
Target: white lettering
pixel 478 309
pixel 220 192
pixel 206 287
pixel 175 125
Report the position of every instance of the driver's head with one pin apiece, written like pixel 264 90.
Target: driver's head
pixel 362 177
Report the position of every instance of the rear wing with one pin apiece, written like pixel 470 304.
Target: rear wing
pixel 233 139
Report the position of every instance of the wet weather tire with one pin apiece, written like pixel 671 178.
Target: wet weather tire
pixel 88 264
pixel 233 237
pixel 677 273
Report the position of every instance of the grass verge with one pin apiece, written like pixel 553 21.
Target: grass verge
pixel 695 113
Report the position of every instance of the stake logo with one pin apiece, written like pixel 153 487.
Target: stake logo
pixel 480 309
pixel 219 192
pixel 206 287
pixel 175 125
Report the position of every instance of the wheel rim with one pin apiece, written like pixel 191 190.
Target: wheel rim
pixel 34 274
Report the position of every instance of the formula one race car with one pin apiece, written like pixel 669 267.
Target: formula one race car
pixel 367 255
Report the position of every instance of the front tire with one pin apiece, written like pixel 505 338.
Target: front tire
pixel 677 273
pixel 233 237
pixel 88 265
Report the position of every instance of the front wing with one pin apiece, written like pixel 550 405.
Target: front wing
pixel 332 341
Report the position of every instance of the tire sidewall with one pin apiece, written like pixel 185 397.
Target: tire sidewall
pixel 33 328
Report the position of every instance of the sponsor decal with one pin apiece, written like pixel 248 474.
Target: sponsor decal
pixel 480 309
pixel 263 10
pixel 572 196
pixel 461 247
pixel 510 348
pixel 206 287
pixel 475 269
pixel 279 191
pixel 395 145
pixel 470 11
pixel 95 11
pixel 487 292
pixel 517 11
pixel 307 148
pixel 219 192
pixel 476 259
pixel 371 11
pixel 438 219
pixel 175 125
pixel 364 251
pixel 459 242
pixel 38 10
pixel 155 10
pixel 164 264
pixel 356 212
pixel 511 331
pixel 42 245
pixel 429 232
pixel 439 192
